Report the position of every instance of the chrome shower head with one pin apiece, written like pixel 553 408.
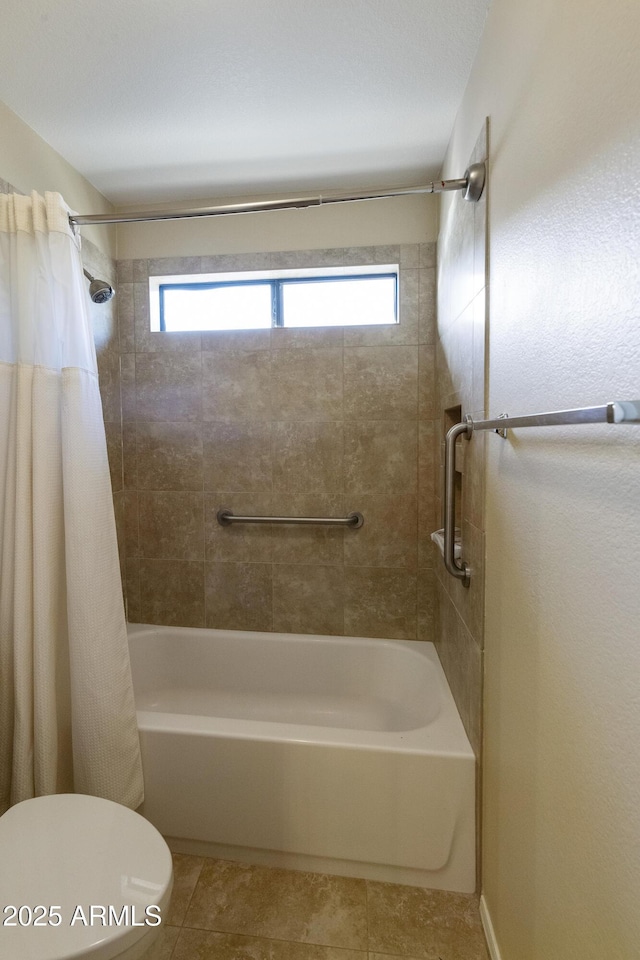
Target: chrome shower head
pixel 99 290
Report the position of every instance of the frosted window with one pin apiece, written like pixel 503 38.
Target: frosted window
pixel 333 303
pixel 332 297
pixel 203 307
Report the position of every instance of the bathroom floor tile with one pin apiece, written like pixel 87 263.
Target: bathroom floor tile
pixel 164 945
pixel 281 904
pixel 425 924
pixel 206 945
pixel 186 870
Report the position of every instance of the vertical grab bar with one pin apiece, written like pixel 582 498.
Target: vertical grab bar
pixel 458 569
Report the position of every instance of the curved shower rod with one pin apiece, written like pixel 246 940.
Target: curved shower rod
pixel 472 185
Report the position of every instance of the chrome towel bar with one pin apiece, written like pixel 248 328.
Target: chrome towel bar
pixel 227 517
pixel 618 411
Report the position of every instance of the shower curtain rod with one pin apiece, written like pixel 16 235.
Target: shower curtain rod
pixel 472 184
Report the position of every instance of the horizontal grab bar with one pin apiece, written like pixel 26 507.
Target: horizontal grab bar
pixel 227 517
pixel 618 411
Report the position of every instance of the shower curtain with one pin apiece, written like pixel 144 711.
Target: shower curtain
pixel 67 715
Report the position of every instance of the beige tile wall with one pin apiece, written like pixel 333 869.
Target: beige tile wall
pixel 307 421
pixel 461 362
pixel 460 381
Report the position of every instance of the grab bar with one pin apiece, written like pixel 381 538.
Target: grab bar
pixel 227 517
pixel 457 568
pixel 617 411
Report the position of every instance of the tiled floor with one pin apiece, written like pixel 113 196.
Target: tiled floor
pixel 222 910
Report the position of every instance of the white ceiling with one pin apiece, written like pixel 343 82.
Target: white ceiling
pixel 154 100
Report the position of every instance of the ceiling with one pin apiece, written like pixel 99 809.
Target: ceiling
pixel 154 100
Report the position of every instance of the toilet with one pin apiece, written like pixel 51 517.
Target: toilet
pixel 80 877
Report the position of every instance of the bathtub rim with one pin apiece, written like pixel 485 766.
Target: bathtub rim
pixel 443 736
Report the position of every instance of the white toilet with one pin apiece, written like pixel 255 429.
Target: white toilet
pixel 80 877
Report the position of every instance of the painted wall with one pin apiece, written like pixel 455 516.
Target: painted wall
pixel 310 422
pixel 562 657
pixel 29 163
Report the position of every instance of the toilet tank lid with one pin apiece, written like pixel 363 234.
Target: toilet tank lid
pixel 95 869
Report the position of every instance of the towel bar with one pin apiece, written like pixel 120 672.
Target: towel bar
pixel 618 411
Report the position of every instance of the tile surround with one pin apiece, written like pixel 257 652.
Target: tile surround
pixel 317 421
pixel 168 386
pixel 169 591
pixel 236 385
pixel 242 542
pixel 388 538
pixel 380 383
pixel 169 456
pixel 238 596
pixel 315 545
pixel 461 363
pixel 170 525
pixel 380 456
pixel 460 379
pixel 238 456
pixel 222 910
pixel 307 384
pixel 380 602
pixel 308 457
pixel 308 598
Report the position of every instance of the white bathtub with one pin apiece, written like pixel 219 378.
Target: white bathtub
pixel 343 755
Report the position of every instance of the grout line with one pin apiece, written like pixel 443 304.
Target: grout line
pixel 193 892
pixel 173 949
pixel 259 936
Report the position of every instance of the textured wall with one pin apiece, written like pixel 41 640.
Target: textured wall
pixel 562 658
pixel 317 421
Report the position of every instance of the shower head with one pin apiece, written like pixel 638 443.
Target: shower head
pixel 99 290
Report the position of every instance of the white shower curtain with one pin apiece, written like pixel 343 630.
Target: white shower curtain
pixel 67 716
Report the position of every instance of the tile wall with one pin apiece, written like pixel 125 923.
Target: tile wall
pixel 460 366
pixel 284 421
pixel 461 363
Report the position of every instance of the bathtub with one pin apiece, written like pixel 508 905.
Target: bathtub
pixel 335 754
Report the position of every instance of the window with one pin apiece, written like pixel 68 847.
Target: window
pixel 288 298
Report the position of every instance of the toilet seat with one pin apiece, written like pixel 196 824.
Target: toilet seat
pixel 70 851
